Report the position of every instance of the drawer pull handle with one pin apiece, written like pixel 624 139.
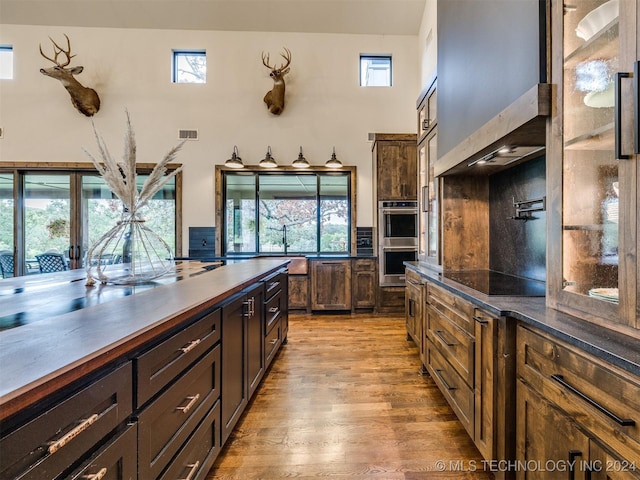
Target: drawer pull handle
pixel 573 454
pixel 625 422
pixel 273 285
pixel 191 346
pixel 274 341
pixel 73 433
pixel 444 382
pixel 193 468
pixel 481 320
pixel 99 475
pixel 412 282
pixel 273 309
pixel 444 340
pixel 192 401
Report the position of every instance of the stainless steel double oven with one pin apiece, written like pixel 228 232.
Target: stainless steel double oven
pixel 397 239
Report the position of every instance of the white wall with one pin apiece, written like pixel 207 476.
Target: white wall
pixel 131 68
pixel 428 43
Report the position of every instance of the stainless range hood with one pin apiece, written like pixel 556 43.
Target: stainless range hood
pixel 515 135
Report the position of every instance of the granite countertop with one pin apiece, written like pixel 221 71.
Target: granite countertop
pixel 614 347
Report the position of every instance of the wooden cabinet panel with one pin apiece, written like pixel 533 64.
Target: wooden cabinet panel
pixel 170 419
pixel 255 336
pixel 272 342
pixel 459 395
pixel 364 282
pixel 234 370
pixel 414 312
pixel 390 299
pixel 69 429
pixel 457 310
pixel 486 371
pixel 298 292
pixel 331 285
pixel 395 166
pixel 158 366
pixel 116 460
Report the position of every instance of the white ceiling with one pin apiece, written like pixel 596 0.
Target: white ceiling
pixel 384 17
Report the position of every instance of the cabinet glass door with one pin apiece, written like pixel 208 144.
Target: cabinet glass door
pixel 593 188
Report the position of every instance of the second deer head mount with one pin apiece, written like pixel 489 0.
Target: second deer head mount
pixel 275 97
pixel 85 99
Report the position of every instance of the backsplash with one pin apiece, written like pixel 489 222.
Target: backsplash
pixel 364 241
pixel 518 247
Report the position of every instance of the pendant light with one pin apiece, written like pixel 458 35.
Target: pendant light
pixel 268 161
pixel 300 162
pixel 235 161
pixel 333 162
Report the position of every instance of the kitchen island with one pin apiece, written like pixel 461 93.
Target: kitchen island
pixel 82 367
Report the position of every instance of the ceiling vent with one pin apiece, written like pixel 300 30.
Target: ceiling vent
pixel 188 134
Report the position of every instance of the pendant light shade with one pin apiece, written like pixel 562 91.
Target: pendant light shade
pixel 268 161
pixel 235 161
pixel 333 162
pixel 300 162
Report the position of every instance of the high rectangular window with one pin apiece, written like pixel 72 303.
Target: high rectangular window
pixel 375 70
pixel 189 66
pixel 6 62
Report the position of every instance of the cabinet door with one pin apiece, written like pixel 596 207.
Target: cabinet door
pixel 485 368
pixel 364 283
pixel 331 285
pixel 255 337
pixel 593 240
pixel 604 466
pixel 413 310
pixel 546 436
pixel 298 292
pixel 396 170
pixel 234 372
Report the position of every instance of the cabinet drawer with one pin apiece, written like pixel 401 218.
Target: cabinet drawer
pixel 59 437
pixel 116 460
pixel 273 284
pixel 456 345
pixel 456 309
pixel 159 366
pixel 363 265
pixel 273 309
pixel 391 296
pixel 272 342
pixel 167 422
pixel 602 398
pixel 452 386
pixel 198 455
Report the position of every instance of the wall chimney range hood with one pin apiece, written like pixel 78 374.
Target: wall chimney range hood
pixel 515 135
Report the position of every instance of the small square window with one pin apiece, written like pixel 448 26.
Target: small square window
pixel 6 62
pixel 375 70
pixel 189 66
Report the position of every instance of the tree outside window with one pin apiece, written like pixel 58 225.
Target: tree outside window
pixel 189 66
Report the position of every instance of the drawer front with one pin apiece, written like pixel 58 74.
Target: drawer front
pixel 272 342
pixel 456 309
pixel 198 455
pixel 453 387
pixel 274 284
pixel 114 461
pixel 603 399
pixel 273 309
pixel 364 265
pixel 58 438
pixel 391 296
pixel 456 345
pixel 167 422
pixel 159 366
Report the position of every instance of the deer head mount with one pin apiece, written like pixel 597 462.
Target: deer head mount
pixel 275 97
pixel 85 99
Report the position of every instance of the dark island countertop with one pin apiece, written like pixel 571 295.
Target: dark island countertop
pixel 615 347
pixel 56 330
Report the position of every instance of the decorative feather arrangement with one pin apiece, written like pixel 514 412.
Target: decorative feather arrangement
pixel 121 175
pixel 129 252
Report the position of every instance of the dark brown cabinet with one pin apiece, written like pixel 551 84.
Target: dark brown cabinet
pixel 331 284
pixel 364 281
pixel 394 159
pixel 414 313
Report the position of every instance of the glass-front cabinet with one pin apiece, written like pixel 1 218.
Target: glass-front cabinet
pixel 594 163
pixel 428 184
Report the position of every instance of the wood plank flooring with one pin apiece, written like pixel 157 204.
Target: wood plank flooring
pixel 345 399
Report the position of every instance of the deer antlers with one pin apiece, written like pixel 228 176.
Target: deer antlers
pixel 84 99
pixel 286 56
pixel 57 50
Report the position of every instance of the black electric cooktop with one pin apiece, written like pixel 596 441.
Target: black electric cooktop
pixel 496 283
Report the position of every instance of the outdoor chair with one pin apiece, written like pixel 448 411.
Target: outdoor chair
pixel 6 264
pixel 51 262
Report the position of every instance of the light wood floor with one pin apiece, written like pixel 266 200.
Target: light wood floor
pixel 345 399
